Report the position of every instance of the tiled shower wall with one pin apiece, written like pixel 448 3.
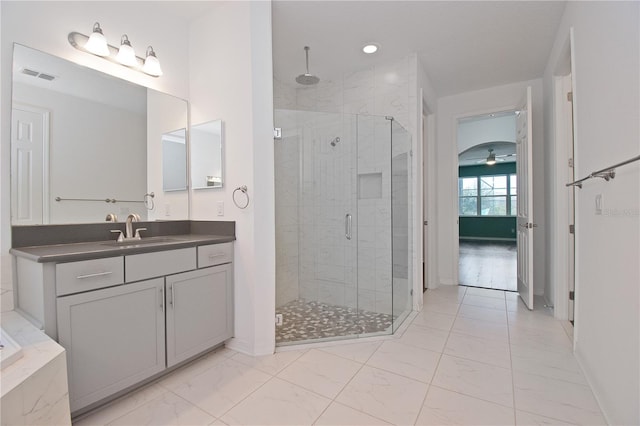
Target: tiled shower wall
pixel 329 265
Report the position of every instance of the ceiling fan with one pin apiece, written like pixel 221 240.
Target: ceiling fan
pixel 493 158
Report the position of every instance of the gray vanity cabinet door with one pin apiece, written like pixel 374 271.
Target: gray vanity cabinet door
pixel 114 338
pixel 199 311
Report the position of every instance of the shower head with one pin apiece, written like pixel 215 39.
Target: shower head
pixel 335 141
pixel 306 78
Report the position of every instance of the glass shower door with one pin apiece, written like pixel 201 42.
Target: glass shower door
pixel 316 227
pixel 402 222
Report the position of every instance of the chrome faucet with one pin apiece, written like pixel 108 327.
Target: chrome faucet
pixel 133 217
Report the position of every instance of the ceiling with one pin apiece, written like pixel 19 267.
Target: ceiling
pixel 462 45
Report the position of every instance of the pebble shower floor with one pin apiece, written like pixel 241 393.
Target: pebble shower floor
pixel 309 320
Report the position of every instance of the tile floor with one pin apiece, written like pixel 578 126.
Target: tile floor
pixel 471 356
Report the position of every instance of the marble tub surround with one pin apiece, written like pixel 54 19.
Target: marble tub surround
pixel 38 235
pixel 34 388
pixel 433 374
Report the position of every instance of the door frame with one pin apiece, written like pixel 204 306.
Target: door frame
pixel 428 137
pixel 455 208
pixel 559 272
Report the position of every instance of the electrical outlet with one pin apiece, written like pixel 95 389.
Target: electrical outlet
pixel 167 209
pixel 220 208
pixel 279 319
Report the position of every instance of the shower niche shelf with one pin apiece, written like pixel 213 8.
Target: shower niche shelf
pixel 369 185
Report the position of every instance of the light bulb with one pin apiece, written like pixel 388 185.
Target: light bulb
pixel 126 54
pixel 97 43
pixel 152 64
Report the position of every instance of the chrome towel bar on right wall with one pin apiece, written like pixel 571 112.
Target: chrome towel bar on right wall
pixel 607 173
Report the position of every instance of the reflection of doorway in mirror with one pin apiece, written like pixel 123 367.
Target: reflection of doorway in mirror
pixel 30 175
pixel 206 155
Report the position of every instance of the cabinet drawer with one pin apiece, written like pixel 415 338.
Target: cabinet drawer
pixel 149 265
pixel 215 254
pixel 74 277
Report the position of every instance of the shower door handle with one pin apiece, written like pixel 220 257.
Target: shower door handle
pixel 347 226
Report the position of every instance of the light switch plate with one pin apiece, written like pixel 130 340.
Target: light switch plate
pixel 220 208
pixel 599 203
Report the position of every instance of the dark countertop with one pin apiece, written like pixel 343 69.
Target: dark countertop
pixel 99 249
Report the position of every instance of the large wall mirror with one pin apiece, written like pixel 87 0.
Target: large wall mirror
pixel 206 155
pixel 85 144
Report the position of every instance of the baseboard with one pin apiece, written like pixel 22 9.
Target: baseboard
pixel 596 394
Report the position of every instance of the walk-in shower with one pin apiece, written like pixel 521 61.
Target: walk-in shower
pixel 343 225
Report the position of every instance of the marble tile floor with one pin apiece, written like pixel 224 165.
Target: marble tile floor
pixel 471 357
pixel 307 321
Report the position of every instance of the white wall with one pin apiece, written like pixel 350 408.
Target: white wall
pixel 49 23
pixel 607 102
pixel 450 109
pixel 233 82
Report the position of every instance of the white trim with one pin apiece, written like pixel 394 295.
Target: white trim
pixel 559 196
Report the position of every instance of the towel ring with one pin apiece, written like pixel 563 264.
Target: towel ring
pixel 242 189
pixel 148 200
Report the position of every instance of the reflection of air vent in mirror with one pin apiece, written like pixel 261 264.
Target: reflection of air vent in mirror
pixel 38 74
pixel 27 71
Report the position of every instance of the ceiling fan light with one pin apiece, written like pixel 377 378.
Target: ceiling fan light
pixel 491 159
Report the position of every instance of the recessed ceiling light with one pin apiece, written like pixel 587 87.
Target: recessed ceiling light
pixel 370 48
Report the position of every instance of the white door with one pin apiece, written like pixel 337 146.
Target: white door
pixel 525 207
pixel 29 138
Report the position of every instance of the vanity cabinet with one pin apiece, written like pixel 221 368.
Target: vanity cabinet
pixel 114 337
pixel 124 319
pixel 199 311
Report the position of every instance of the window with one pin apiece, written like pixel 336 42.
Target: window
pixel 468 190
pixel 487 195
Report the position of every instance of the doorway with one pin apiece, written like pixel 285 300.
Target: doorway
pixel 487 201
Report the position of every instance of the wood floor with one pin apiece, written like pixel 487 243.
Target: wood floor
pixel 489 264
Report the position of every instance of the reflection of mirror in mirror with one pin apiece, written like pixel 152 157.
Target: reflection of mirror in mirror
pixel 174 160
pixel 82 136
pixel 206 155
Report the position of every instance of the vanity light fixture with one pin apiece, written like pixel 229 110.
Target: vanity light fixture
pixel 97 45
pixel 126 54
pixel 151 63
pixel 370 48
